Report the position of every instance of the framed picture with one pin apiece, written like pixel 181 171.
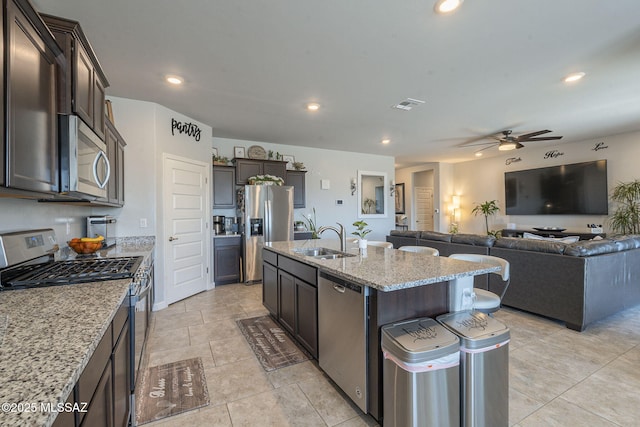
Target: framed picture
pixel 400 198
pixel 289 159
pixel 214 152
pixel 238 152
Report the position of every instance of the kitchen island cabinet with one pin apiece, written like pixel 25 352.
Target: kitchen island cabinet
pixel 402 285
pixel 290 293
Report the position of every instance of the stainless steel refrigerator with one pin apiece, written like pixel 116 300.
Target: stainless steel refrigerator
pixel 267 217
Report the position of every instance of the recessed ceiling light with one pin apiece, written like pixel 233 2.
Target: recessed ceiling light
pixel 447 6
pixel 478 154
pixel 574 77
pixel 174 80
pixel 313 106
pixel 386 141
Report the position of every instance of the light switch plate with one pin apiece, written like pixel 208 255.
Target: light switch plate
pixel 325 184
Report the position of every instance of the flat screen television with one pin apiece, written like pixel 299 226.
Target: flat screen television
pixel 574 189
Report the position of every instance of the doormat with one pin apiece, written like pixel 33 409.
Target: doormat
pixel 273 347
pixel 171 389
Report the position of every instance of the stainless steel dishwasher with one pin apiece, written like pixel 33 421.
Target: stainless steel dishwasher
pixel 342 335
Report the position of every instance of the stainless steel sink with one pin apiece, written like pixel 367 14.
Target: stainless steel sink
pixel 322 253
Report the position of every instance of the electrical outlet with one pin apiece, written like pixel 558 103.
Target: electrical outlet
pixel 68 228
pixel 143 222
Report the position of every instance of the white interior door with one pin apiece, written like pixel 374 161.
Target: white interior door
pixel 185 195
pixel 423 197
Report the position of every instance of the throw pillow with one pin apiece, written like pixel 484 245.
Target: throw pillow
pixel 567 240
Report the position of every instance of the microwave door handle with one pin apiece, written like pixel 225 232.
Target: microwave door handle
pixel 101 155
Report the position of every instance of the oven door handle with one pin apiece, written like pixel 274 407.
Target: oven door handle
pixel 141 294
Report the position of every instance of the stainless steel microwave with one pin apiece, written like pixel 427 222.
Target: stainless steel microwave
pixel 84 166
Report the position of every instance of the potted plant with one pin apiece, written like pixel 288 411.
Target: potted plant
pixel 220 160
pixel 361 232
pixel 487 209
pixel 310 223
pixel 626 218
pixel 265 180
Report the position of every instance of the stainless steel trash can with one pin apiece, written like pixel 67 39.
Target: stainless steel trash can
pixel 484 367
pixel 421 375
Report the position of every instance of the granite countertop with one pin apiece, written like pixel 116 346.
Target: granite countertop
pixel 382 269
pixel 50 335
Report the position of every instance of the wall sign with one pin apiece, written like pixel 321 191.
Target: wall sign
pixel 187 128
pixel 553 154
pixel 600 146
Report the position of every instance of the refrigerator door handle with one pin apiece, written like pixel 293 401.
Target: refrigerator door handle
pixel 267 221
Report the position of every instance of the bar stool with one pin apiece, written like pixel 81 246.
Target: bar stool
pixel 420 249
pixel 462 293
pixel 386 245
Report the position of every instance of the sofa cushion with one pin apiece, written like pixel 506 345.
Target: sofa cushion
pixel 473 239
pixel 585 248
pixel 434 235
pixel 531 245
pixel 626 241
pixel 400 233
pixel 567 239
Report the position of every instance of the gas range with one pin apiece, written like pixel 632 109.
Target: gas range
pixel 69 272
pixel 27 261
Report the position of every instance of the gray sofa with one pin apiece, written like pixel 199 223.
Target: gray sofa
pixel 577 283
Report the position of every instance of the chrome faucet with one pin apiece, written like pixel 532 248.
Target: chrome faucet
pixel 342 233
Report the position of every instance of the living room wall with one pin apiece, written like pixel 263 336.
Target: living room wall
pixel 481 180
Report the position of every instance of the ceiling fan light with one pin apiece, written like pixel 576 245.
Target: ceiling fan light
pixel 447 6
pixel 507 145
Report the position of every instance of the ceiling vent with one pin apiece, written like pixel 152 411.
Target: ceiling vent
pixel 407 104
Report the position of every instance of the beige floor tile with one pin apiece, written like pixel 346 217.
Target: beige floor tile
pixel 285 406
pixel 228 383
pixel 294 374
pixel 531 378
pixel 167 339
pixel 231 350
pixel 614 401
pixel 214 331
pixel 359 421
pixel 186 352
pixel 221 312
pixel 561 413
pixel 169 321
pixel 521 406
pixel 210 416
pixel 330 404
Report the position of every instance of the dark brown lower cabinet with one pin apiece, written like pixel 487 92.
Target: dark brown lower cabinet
pixel 287 301
pixel 104 387
pixel 226 259
pixel 270 288
pixel 100 412
pixel 290 299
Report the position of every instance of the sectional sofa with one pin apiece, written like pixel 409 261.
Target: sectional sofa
pixel 577 283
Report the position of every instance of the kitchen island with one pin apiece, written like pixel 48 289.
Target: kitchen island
pixel 401 285
pixel 48 336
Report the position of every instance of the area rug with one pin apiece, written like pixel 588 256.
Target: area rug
pixel 171 389
pixel 273 347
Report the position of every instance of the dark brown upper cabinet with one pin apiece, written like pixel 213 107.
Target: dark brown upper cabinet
pixel 83 86
pixel 33 61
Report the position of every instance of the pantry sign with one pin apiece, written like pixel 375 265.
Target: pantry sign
pixel 190 129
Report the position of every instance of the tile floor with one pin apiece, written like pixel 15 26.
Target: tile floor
pixel 558 377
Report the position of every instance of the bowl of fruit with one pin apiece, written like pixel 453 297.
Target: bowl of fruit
pixel 86 245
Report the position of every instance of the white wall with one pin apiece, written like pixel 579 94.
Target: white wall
pixel 146 127
pixel 339 167
pixel 481 180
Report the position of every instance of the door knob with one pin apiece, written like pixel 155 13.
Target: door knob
pixel 171 239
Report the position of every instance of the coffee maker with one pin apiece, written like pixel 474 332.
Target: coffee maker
pixel 218 224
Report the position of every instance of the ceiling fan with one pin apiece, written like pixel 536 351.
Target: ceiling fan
pixel 506 141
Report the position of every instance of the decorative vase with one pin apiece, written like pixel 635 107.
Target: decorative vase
pixel 362 243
